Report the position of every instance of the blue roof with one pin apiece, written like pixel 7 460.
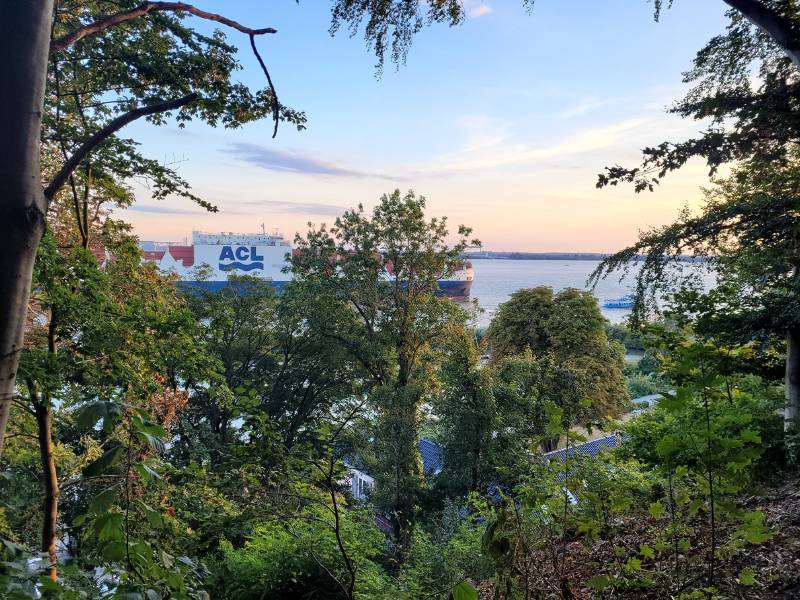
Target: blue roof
pixel 592 448
pixel 429 451
pixel 431 454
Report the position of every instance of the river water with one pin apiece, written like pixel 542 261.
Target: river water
pixel 496 279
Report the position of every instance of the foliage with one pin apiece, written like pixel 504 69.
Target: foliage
pixel 468 415
pixel 298 556
pixel 521 322
pixel 745 85
pixel 742 407
pixel 377 278
pixel 629 338
pixel 161 436
pixel 640 384
pixel 568 328
pixel 146 61
pixel 436 567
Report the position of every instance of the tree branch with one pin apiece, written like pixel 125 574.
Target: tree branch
pixel 771 22
pixel 276 107
pixel 99 136
pixel 140 11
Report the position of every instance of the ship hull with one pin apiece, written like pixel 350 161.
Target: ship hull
pixel 455 290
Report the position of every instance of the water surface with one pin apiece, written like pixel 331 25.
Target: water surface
pixel 496 279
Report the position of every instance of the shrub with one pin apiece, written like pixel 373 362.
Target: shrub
pixel 298 557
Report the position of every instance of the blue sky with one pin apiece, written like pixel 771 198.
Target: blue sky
pixel 502 123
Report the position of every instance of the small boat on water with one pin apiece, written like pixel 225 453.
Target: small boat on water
pixel 623 302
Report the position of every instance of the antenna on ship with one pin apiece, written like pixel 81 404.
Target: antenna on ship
pixel 263 229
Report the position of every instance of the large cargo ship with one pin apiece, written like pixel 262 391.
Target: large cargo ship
pixel 264 255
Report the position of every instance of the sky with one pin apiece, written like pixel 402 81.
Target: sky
pixel 502 123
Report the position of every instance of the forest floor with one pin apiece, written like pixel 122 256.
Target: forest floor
pixel 564 571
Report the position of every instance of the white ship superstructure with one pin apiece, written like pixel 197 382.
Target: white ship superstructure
pixel 213 257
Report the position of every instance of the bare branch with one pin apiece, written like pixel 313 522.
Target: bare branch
pixel 99 136
pixel 144 8
pixel 276 107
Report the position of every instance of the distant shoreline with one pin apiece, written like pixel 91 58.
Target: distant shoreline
pixel 594 256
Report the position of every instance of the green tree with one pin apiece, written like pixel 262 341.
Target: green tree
pixel 520 323
pixel 526 390
pixel 744 81
pixel 747 234
pixel 377 276
pixel 91 68
pixel 569 328
pixel 707 441
pixel 100 339
pixel 274 375
pixel 467 413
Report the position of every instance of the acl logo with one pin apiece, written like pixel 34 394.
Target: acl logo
pixel 244 258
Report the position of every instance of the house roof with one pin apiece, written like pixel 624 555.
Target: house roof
pixel 431 454
pixel 592 448
pixel 429 451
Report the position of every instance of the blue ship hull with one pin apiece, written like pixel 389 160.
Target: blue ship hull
pixel 456 290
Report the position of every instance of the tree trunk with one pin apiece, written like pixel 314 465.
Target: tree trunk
pixel 791 413
pixel 24 45
pixel 772 23
pixel 44 422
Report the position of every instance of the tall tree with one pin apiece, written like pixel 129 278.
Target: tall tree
pixel 273 374
pixel 378 277
pixel 25 35
pixel 467 413
pixel 745 82
pixel 520 323
pixel 747 232
pixel 84 320
pixel 118 62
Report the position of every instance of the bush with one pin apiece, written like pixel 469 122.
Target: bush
pixel 433 568
pixel 299 558
pixel 640 384
pixel 751 406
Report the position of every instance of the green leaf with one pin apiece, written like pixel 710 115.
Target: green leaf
pixel 109 458
pixel 464 591
pixel 555 415
pixel 667 446
pixel 102 501
pixel 634 564
pixel 114 551
pixel 145 472
pixel 109 527
pixel 753 530
pixel 748 435
pixel 155 442
pixel 106 411
pixel 675 402
pixel 599 582
pixel 152 516
pixel 747 577
pixel 145 425
pixel 656 509
pixel 647 551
